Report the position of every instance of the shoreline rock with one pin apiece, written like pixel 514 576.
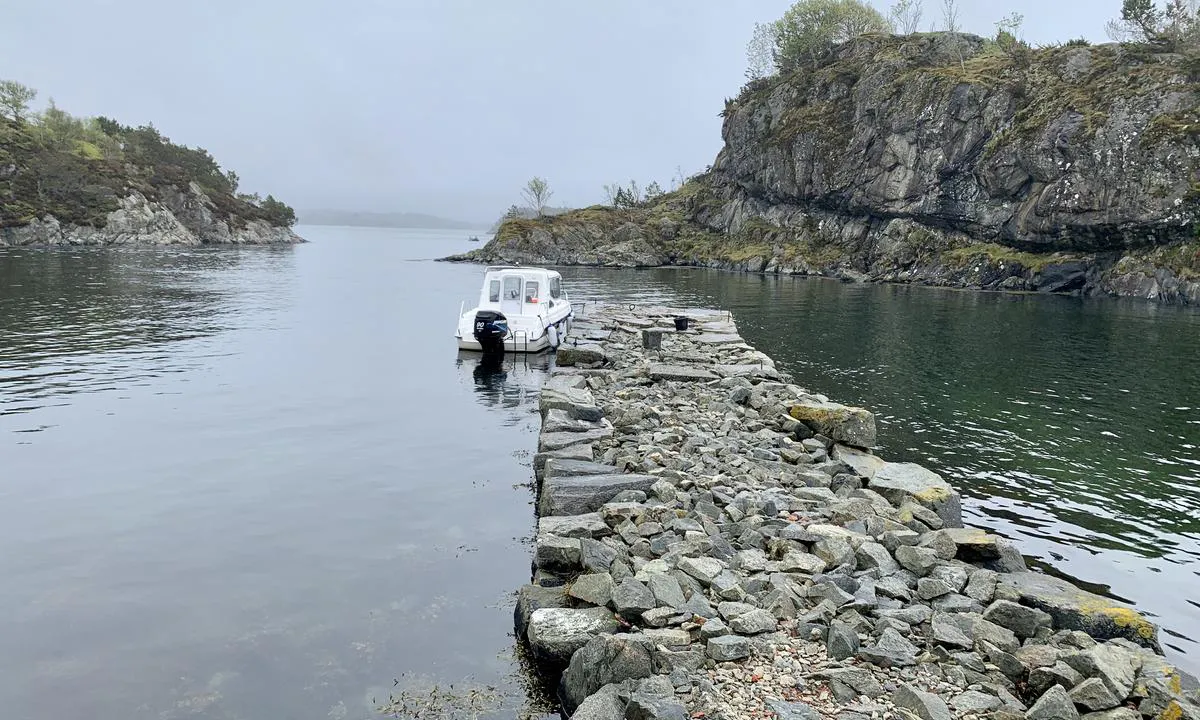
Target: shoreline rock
pixel 705 550
pixel 187 219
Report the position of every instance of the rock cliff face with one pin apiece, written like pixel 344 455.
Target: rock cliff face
pixel 181 218
pixel 933 158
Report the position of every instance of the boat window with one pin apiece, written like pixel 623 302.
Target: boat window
pixel 512 287
pixel 531 291
pixel 556 287
pixel 494 291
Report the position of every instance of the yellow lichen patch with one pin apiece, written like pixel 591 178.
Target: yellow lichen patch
pixel 820 415
pixel 972 536
pixel 932 495
pixel 1175 683
pixel 1123 617
pixel 1171 712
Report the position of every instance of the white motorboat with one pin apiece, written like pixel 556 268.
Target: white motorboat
pixel 520 310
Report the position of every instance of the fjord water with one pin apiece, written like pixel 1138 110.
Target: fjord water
pixel 258 482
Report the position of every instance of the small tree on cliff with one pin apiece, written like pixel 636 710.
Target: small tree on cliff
pixel 760 52
pixel 536 194
pixel 1175 26
pixel 906 16
pixel 15 99
pixel 950 15
pixel 808 30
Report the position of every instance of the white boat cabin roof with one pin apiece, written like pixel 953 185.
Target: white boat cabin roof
pixel 533 290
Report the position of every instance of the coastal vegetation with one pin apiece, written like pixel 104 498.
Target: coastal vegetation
pixel 78 169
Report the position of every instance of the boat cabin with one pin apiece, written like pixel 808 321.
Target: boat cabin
pixel 517 291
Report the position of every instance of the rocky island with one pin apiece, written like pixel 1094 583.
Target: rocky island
pixel 715 541
pixel 938 158
pixel 73 181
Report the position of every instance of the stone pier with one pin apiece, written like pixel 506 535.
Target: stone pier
pixel 716 541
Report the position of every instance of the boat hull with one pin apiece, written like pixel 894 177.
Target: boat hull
pixel 511 345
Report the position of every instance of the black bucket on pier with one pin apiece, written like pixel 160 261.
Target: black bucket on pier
pixel 681 322
pixel 491 327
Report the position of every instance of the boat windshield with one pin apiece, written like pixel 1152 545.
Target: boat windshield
pixel 512 287
pixel 494 291
pixel 531 291
pixel 556 287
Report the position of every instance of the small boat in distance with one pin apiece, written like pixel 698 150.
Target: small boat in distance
pixel 521 310
pixel 474 238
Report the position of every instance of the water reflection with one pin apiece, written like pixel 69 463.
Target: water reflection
pixel 250 493
pixel 89 319
pixel 510 382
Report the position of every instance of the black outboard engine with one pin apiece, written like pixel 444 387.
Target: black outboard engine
pixel 491 327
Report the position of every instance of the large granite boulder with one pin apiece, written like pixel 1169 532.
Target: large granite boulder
pixel 556 633
pixel 603 660
pixel 848 425
pixel 1071 608
pixel 587 493
pixel 903 481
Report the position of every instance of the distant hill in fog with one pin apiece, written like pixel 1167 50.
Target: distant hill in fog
pixel 357 218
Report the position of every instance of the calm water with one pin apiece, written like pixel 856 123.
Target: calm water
pixel 253 483
pixel 261 482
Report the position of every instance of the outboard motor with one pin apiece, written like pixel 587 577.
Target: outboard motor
pixel 491 327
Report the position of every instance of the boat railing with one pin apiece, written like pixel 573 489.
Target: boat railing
pixel 524 338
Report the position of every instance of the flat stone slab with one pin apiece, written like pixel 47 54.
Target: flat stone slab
pixel 1074 609
pixel 583 452
pixel 566 467
pixel 579 355
pixel 681 373
pixel 557 421
pixel 848 425
pixel 587 493
pixel 589 525
pixel 861 461
pixel 755 370
pixel 711 338
pixel 559 440
pixel 899 481
pixel 974 544
pixel 562 397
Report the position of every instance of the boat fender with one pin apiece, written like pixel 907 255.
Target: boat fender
pixel 552 331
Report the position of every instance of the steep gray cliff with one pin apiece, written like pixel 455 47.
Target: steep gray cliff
pixel 934 158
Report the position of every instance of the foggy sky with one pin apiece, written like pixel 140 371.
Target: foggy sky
pixel 440 106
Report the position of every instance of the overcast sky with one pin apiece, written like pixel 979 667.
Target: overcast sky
pixel 441 106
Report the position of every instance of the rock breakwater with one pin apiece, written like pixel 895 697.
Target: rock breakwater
pixel 716 541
